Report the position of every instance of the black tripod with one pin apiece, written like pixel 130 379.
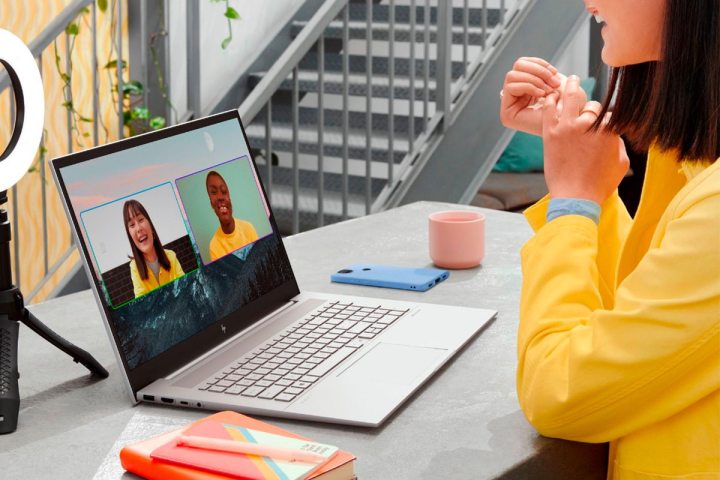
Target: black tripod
pixel 12 311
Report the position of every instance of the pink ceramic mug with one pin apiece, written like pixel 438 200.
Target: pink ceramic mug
pixel 457 238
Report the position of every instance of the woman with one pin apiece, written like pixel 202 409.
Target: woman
pixel 619 335
pixel 151 266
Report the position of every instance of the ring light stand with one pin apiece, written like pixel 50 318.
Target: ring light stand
pixel 14 162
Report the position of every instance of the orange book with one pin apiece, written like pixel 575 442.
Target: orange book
pixel 136 458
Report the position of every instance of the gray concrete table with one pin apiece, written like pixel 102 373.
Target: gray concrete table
pixel 465 423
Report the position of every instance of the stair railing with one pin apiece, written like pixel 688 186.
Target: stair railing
pixel 56 33
pixel 447 90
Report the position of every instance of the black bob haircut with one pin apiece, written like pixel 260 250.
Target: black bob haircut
pixel 675 102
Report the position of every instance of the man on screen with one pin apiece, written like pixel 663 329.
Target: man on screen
pixel 233 233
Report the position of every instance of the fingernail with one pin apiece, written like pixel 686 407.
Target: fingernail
pixel 574 78
pixel 556 81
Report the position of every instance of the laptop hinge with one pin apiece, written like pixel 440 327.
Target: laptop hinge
pixel 247 331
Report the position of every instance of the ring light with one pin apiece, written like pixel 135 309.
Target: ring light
pixel 30 102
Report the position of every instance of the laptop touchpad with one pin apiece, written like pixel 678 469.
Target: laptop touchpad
pixel 392 363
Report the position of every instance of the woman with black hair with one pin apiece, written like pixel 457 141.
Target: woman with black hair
pixel 151 266
pixel 619 335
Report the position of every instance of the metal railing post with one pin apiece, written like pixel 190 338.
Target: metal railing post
pixel 411 111
pixel 443 71
pixel 345 109
pixel 96 86
pixel 119 39
pixel 321 129
pixel 268 149
pixel 391 95
pixel 295 151
pixel 193 57
pixel 368 108
pixel 68 95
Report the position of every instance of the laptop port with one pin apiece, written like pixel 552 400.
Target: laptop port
pixel 149 398
pixel 167 400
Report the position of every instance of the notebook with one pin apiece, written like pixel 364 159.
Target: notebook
pixel 157 457
pixel 200 300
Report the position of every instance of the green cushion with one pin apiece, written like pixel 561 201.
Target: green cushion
pixel 524 153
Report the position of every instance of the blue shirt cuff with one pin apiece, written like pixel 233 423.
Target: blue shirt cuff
pixel 558 207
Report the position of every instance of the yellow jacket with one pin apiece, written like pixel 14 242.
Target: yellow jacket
pixel 222 243
pixel 141 287
pixel 619 336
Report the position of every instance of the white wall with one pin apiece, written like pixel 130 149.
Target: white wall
pixel 260 22
pixel 576 57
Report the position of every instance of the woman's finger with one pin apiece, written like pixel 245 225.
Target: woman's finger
pixel 523 89
pixel 549 111
pixel 574 98
pixel 591 111
pixel 523 77
pixel 547 73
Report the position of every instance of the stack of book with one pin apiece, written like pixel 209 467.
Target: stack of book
pixel 230 445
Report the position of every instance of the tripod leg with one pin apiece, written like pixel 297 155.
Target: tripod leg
pixel 78 354
pixel 9 393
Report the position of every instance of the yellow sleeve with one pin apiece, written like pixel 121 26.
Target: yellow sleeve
pixel 176 270
pixel 593 374
pixel 613 228
pixel 249 232
pixel 139 286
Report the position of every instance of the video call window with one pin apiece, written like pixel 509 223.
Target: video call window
pixel 139 243
pixel 224 207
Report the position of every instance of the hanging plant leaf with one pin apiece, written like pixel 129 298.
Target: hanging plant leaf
pixel 157 123
pixel 86 119
pixel 68 105
pixel 102 5
pixel 226 42
pixel 126 117
pixel 232 14
pixel 140 112
pixel 72 29
pixel 133 87
pixel 112 64
pixel 65 77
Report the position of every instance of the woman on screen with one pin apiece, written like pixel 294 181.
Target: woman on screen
pixel 151 266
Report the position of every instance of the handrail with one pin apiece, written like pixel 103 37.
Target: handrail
pixel 284 66
pixel 50 33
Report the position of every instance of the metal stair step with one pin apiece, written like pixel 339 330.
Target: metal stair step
pixel 381 31
pixel 282 140
pixel 381 13
pixel 282 114
pixel 357 85
pixel 309 180
pixel 308 208
pixel 380 65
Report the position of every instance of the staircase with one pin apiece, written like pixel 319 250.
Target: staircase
pixel 363 117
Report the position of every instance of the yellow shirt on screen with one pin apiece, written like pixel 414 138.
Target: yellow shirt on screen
pixel 142 286
pixel 619 335
pixel 222 243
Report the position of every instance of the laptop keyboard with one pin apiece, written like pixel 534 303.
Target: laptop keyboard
pixel 292 361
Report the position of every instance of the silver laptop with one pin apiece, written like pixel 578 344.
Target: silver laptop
pixel 201 303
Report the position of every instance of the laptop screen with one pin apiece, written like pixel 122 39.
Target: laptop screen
pixel 178 234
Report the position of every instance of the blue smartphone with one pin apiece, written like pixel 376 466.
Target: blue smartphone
pixel 405 278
